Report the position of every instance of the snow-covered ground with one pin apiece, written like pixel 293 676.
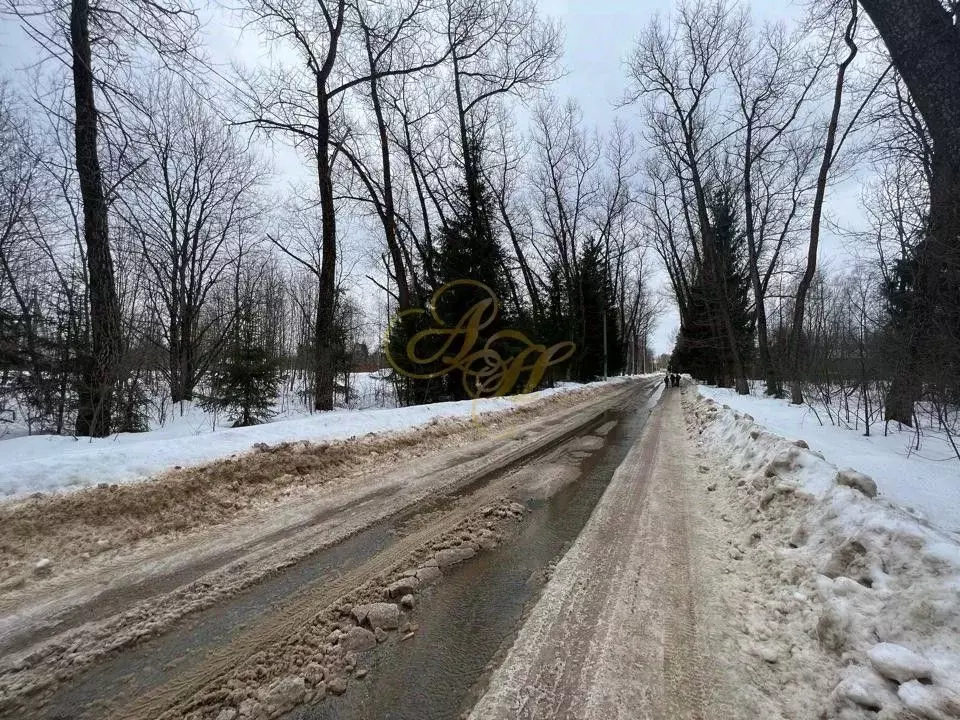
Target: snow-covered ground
pixel 48 463
pixel 366 390
pixel 926 482
pixel 876 586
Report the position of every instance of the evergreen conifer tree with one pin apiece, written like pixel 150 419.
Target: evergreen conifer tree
pixel 594 303
pixel 703 347
pixel 246 382
pixel 471 251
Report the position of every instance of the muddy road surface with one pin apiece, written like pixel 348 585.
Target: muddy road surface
pixel 391 588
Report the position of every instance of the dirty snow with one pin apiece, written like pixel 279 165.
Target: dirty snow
pixel 926 482
pixel 45 463
pixel 880 586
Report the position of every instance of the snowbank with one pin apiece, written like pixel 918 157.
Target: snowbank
pixel 50 463
pixel 877 588
pixel 927 483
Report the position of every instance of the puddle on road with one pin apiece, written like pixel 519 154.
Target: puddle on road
pixel 471 618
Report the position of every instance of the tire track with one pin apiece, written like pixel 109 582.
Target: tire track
pixel 615 634
pixel 267 642
pixel 564 663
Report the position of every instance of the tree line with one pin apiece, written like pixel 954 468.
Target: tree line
pixel 750 128
pixel 144 241
pixel 147 250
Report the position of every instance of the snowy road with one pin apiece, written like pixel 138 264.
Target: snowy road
pixel 617 632
pixel 76 625
pixel 624 552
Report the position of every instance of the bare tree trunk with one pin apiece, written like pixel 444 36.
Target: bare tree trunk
pixel 470 169
pixel 796 330
pixel 176 370
pixel 99 373
pixel 324 371
pixel 763 345
pixel 389 213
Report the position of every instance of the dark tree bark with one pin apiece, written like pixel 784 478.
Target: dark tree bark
pixel 380 45
pixel 924 44
pixel 100 367
pixel 773 82
pixel 327 294
pixel 496 48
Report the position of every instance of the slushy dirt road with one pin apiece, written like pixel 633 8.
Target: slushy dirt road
pixel 618 632
pixel 551 563
pixel 206 553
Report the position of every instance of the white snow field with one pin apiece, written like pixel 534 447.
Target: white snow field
pixel 926 482
pixel 882 584
pixel 49 463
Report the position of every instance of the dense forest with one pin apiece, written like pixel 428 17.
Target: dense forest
pixel 152 250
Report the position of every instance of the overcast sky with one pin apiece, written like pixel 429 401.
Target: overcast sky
pixel 599 34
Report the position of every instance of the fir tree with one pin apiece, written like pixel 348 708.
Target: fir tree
pixel 558 324
pixel 729 240
pixel 594 303
pixel 247 380
pixel 470 250
pixel 703 347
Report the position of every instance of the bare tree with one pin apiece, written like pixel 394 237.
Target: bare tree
pixel 24 193
pixel 111 32
pixel 497 47
pixel 305 103
pixel 301 102
pixel 923 40
pixel 774 79
pixel 395 43
pixel 678 69
pixel 504 179
pixel 830 152
pixel 564 184
pixel 193 197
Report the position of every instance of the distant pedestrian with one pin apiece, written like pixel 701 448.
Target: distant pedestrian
pixel 675 378
pixel 666 380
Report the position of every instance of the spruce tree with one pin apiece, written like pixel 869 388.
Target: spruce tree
pixel 470 250
pixel 558 324
pixel 246 382
pixel 703 347
pixel 594 303
pixel 699 344
pixel 729 240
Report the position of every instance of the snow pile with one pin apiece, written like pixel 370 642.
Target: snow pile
pixel 926 482
pixel 872 589
pixel 48 463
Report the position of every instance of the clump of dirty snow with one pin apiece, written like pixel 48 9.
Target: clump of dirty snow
pixel 867 593
pixel 294 665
